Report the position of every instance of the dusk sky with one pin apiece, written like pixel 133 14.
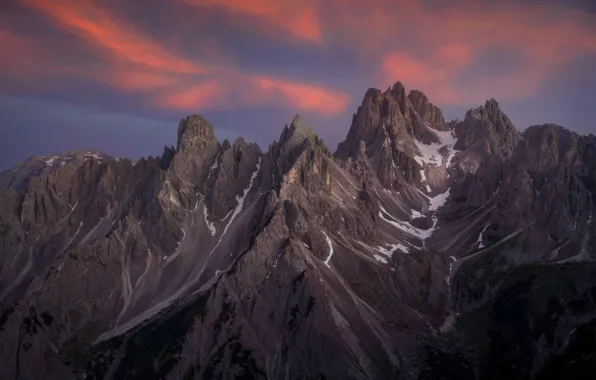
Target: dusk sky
pixel 118 75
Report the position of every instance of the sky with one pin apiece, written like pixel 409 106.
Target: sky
pixel 118 75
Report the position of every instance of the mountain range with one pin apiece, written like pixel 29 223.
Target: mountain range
pixel 419 249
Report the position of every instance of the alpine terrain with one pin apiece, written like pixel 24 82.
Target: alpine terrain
pixel 419 249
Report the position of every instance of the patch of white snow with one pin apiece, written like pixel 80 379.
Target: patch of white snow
pixel 380 259
pixel 330 244
pixel 410 229
pixel 388 252
pixel 213 167
pixel 429 154
pixel 438 200
pixel 209 224
pixel 240 200
pixel 50 161
pixel 174 199
pixel 479 241
pixel 415 214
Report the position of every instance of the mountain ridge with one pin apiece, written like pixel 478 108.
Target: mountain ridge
pixel 220 260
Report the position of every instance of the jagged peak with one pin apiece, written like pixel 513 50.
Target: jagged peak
pixel 372 94
pixel 492 104
pixel 491 109
pixel 225 145
pixel 398 91
pixel 296 133
pixel 424 108
pixel 240 142
pixel 296 122
pixel 548 128
pixel 194 130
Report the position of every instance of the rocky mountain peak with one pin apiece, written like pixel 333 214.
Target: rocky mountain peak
pixel 485 130
pixel 398 92
pixel 492 111
pixel 194 132
pixel 390 128
pixel 371 95
pixel 298 130
pixel 548 146
pixel 492 105
pixel 425 109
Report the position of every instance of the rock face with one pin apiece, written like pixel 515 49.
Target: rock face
pixel 420 249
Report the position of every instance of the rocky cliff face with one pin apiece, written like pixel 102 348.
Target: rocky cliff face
pixel 418 250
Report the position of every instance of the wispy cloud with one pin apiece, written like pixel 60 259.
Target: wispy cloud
pixel 256 91
pixel 439 47
pixel 299 18
pixel 541 41
pixel 116 39
pixel 132 61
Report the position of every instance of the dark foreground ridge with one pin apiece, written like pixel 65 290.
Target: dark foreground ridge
pixel 420 249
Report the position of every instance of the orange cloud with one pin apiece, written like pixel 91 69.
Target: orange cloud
pixel 246 90
pixel 440 75
pixel 136 80
pixel 412 72
pixel 455 37
pixel 437 54
pixel 200 97
pixel 304 96
pixel 454 55
pixel 300 18
pixel 104 30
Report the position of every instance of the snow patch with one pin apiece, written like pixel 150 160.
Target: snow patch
pixel 423 174
pixel 330 244
pixel 50 161
pixel 97 156
pixel 197 202
pixel 430 155
pixel 380 259
pixel 174 199
pixel 386 212
pixel 388 252
pixel 410 229
pixel 479 241
pixel 415 214
pixel 240 205
pixel 453 260
pixel 209 224
pixel 277 260
pixel 75 234
pixel 439 200
pixel 213 167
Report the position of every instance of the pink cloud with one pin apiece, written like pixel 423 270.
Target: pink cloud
pixel 300 18
pixel 115 38
pixel 256 91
